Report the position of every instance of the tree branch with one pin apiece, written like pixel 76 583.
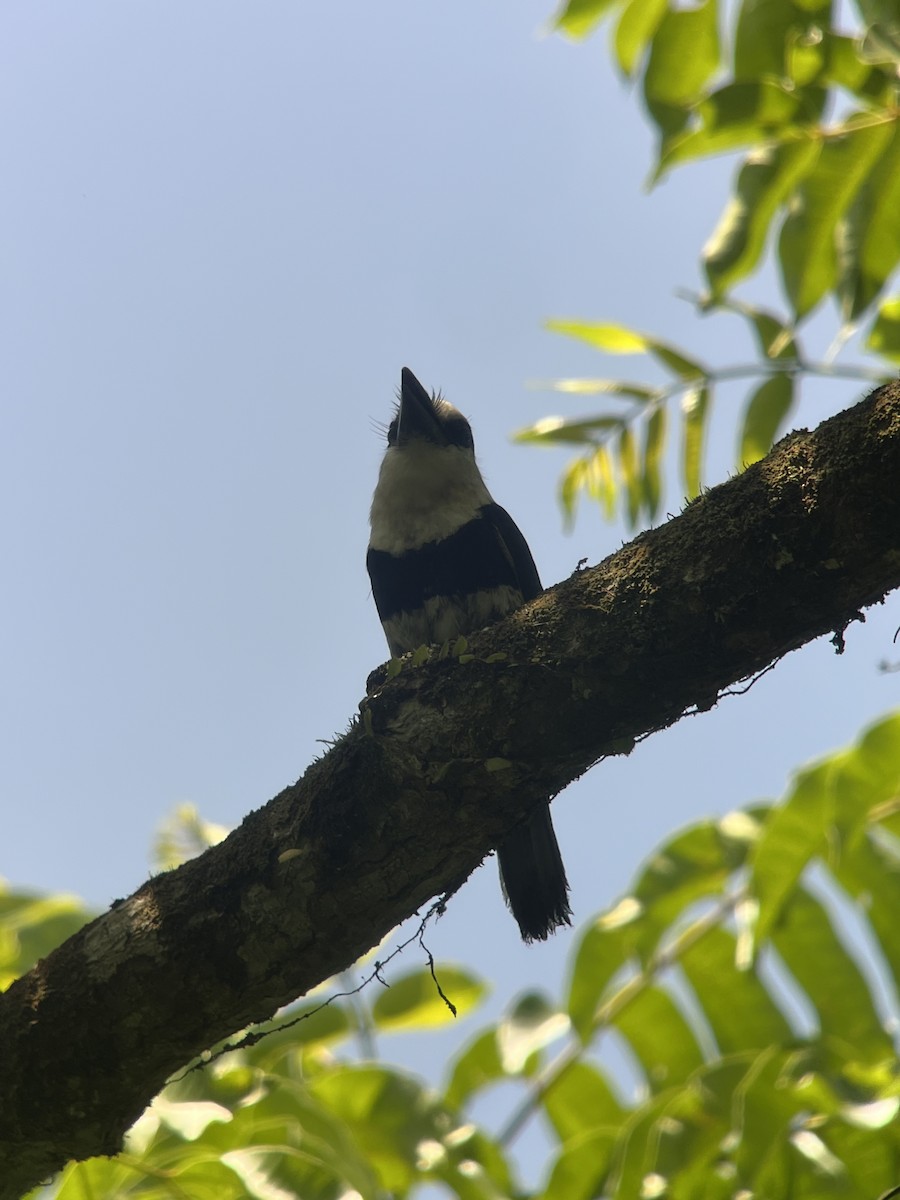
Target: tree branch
pixel 444 760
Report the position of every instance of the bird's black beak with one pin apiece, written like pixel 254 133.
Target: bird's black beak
pixel 416 417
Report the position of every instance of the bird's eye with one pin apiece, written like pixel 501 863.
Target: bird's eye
pixel 392 431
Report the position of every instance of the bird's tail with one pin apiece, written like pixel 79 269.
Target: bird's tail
pixel 533 877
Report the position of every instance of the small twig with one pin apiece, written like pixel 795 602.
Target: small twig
pixel 251 1039
pixel 440 990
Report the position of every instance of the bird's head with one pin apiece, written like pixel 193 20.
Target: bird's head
pixel 429 419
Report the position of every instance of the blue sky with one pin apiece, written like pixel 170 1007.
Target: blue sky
pixel 225 229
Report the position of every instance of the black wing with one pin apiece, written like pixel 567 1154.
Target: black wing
pixel 515 548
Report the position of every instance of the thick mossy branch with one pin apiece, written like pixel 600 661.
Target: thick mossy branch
pixel 446 758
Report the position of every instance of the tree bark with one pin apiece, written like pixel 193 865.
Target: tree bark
pixel 443 760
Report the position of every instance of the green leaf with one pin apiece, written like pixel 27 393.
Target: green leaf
pixel 472 1166
pixel 870 1162
pixel 475 1067
pixel 884 336
pixel 532 1024
pixel 182 835
pixel 695 408
pixel 639 22
pixel 807 246
pixel 692 1133
pixel 581 1168
pixel 634 1159
pixel 795 833
pixel 570 486
pixel 764 1106
pixel 31 926
pixel 560 431
pixel 742 114
pixel 696 863
pixel 602 387
pixel 414 1002
pixel 738 1008
pixel 765 415
pixel 614 339
pixel 600 482
pixel 387 1114
pixel 606 946
pixel 275 1172
pixel 579 1100
pixel 662 1040
pixel 871 874
pixel 619 339
pixel 765 181
pixel 316 1023
pixel 869 233
pixel 813 953
pixel 629 471
pixel 764 32
pixel 578 18
pixel 654 445
pixel 683 56
pixel 776 339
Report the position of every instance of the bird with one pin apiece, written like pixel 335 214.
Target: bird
pixel 445 560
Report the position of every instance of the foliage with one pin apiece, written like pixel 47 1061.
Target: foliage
pixel 814 112
pixel 760 1031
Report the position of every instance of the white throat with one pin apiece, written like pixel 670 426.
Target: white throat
pixel 424 493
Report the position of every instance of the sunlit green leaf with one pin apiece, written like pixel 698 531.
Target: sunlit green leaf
pixel 532 1024
pixel 767 29
pixel 472 1166
pixel 31 926
pixel 805 939
pixel 871 874
pixel 764 1107
pixel 639 22
pixel 315 1023
pixel 562 431
pixel 477 1066
pixel 577 18
pixel 764 416
pixel 684 53
pixel 614 339
pixel 600 481
pixel 629 470
pixel 182 835
pixel 570 485
pixel 275 1172
pixel 602 387
pixel 765 181
pixel 388 1115
pixel 870 1162
pixel 869 233
pixel 692 1131
pixel 807 247
pixel 774 337
pixel 605 948
pixel 634 1156
pixel 662 1040
pixel 580 1100
pixel 884 336
pixel 580 1169
pixel 695 409
pixel 654 446
pixel 737 1006
pixel 795 833
pixel 742 114
pixel 695 864
pixel 414 1002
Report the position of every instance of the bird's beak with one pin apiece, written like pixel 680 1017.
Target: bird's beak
pixel 417 416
